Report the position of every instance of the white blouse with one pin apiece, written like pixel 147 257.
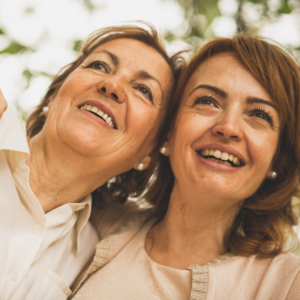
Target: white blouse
pixel 40 255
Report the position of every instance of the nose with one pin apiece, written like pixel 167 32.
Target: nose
pixel 112 88
pixel 228 127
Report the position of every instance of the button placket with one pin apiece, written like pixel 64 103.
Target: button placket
pixel 13 276
pixel 37 229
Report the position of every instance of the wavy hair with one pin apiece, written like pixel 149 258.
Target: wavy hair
pixel 131 182
pixel 265 220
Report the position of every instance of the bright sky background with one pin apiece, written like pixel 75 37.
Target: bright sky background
pixel 51 26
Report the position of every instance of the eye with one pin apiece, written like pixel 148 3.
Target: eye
pixel 145 91
pixel 98 65
pixel 205 100
pixel 262 114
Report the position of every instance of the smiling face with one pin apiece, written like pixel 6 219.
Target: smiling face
pixel 226 132
pixel 111 106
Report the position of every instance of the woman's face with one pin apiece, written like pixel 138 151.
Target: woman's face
pixel 126 83
pixel 226 132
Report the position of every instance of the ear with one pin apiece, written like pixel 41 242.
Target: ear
pixel 142 165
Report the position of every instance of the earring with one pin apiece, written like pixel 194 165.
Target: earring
pixel 140 166
pixel 272 175
pixel 45 110
pixel 163 150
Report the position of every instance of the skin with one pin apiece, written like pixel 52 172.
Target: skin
pixel 195 226
pixel 76 152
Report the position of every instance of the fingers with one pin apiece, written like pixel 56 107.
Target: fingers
pixel 3 104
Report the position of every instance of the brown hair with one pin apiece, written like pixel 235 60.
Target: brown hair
pixel 267 216
pixel 131 182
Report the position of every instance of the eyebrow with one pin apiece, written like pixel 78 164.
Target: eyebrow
pixel 249 100
pixel 145 75
pixel 252 100
pixel 212 88
pixel 112 56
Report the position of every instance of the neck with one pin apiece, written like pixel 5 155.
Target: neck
pixel 58 177
pixel 192 231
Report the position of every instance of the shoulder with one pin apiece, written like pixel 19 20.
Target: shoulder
pixel 282 263
pixel 287 260
pixel 284 266
pixel 295 288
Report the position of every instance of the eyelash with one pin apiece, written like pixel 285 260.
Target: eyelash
pixel 198 99
pixel 104 65
pixel 268 116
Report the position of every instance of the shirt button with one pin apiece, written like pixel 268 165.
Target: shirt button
pixel 13 276
pixel 36 229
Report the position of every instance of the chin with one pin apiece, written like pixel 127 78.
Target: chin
pixel 80 142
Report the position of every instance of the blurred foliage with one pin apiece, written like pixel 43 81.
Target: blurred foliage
pixel 200 14
pixel 77 45
pixel 199 17
pixel 14 47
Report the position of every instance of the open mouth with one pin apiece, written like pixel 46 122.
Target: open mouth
pixel 221 157
pixel 99 113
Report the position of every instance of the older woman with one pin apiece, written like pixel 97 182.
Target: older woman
pixel 222 221
pixel 99 118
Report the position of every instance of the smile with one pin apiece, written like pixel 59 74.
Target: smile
pixel 99 113
pixel 220 157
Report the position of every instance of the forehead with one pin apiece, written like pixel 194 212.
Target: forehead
pixel 228 73
pixel 134 52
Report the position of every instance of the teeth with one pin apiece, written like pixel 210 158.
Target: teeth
pixel 221 157
pixel 100 113
pixel 224 156
pixel 217 154
pixel 94 109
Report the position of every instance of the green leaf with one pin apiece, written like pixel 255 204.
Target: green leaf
pixel 77 45
pixel 285 9
pixel 15 48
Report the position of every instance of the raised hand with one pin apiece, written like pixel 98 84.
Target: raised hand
pixel 3 104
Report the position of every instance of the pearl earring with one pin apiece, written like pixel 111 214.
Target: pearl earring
pixel 272 175
pixel 163 150
pixel 140 166
pixel 45 110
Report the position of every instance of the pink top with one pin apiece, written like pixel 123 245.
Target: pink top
pixel 122 270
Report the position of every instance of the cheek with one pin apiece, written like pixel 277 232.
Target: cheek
pixel 181 139
pixel 143 121
pixel 75 85
pixel 263 149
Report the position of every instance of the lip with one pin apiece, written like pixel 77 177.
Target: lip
pixel 102 107
pixel 222 148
